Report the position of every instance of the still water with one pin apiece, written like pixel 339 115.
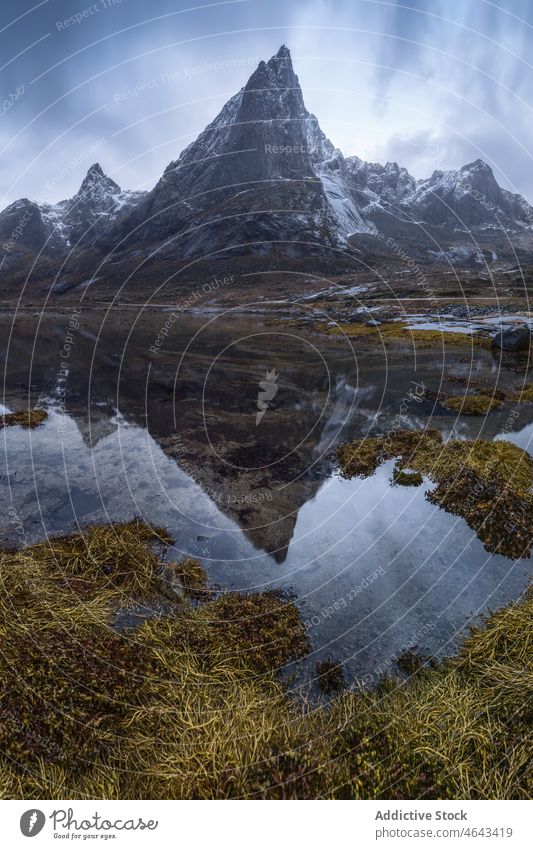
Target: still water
pixel 171 433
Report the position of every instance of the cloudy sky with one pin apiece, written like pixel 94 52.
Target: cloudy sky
pixel 427 83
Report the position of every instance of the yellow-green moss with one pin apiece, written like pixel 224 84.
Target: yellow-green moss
pixel 264 629
pixel 398 331
pixel 487 399
pixel 189 705
pixel 28 419
pixel 522 394
pixel 487 483
pixel 472 405
pixel 401 477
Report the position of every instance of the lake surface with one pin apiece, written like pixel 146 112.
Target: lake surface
pixel 158 418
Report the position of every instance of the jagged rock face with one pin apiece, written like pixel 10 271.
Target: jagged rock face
pixel 380 183
pixel 95 206
pixel 22 226
pixel 58 227
pixel 261 133
pixel 96 197
pixel 249 175
pixel 468 198
pixel 333 171
pixel 261 177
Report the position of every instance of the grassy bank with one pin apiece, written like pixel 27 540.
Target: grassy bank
pixel 486 399
pixel 191 705
pixel 487 483
pixel 399 331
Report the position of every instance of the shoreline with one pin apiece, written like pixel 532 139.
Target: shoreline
pixel 363 744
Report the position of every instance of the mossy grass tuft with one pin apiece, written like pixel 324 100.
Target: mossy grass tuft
pixel 487 483
pixel 330 676
pixel 194 578
pixel 399 332
pixel 28 419
pixel 479 403
pixel 190 705
pixel 522 393
pixel 412 661
pixel 114 557
pixel 263 629
pixel 403 477
pixel 472 405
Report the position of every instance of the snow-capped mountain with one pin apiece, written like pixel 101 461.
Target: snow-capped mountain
pixel 94 207
pixel 80 220
pixel 263 176
pixel 248 180
pixel 468 198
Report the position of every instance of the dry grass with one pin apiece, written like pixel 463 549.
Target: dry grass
pixel 189 705
pixel 28 419
pixel 471 718
pixel 111 557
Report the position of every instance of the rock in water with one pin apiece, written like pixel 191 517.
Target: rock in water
pixel 515 338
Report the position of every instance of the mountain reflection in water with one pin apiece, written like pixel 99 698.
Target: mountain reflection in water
pixel 172 437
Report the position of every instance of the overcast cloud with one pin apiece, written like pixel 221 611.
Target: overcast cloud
pixel 428 84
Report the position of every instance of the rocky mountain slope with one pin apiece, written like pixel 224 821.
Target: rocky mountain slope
pixel 263 177
pixel 61 227
pixel 248 180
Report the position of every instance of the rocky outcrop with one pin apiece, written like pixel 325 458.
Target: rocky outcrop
pixel 247 181
pixel 22 225
pixel 468 198
pixel 80 220
pixel 514 338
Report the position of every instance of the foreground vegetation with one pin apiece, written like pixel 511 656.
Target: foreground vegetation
pixel 28 419
pixel 399 331
pixel 487 483
pixel 483 401
pixel 190 703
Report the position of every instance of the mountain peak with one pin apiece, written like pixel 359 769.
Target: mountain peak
pixel 282 59
pixel 283 52
pixel 96 169
pixel 97 180
pixel 477 165
pixel 262 158
pixel 277 73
